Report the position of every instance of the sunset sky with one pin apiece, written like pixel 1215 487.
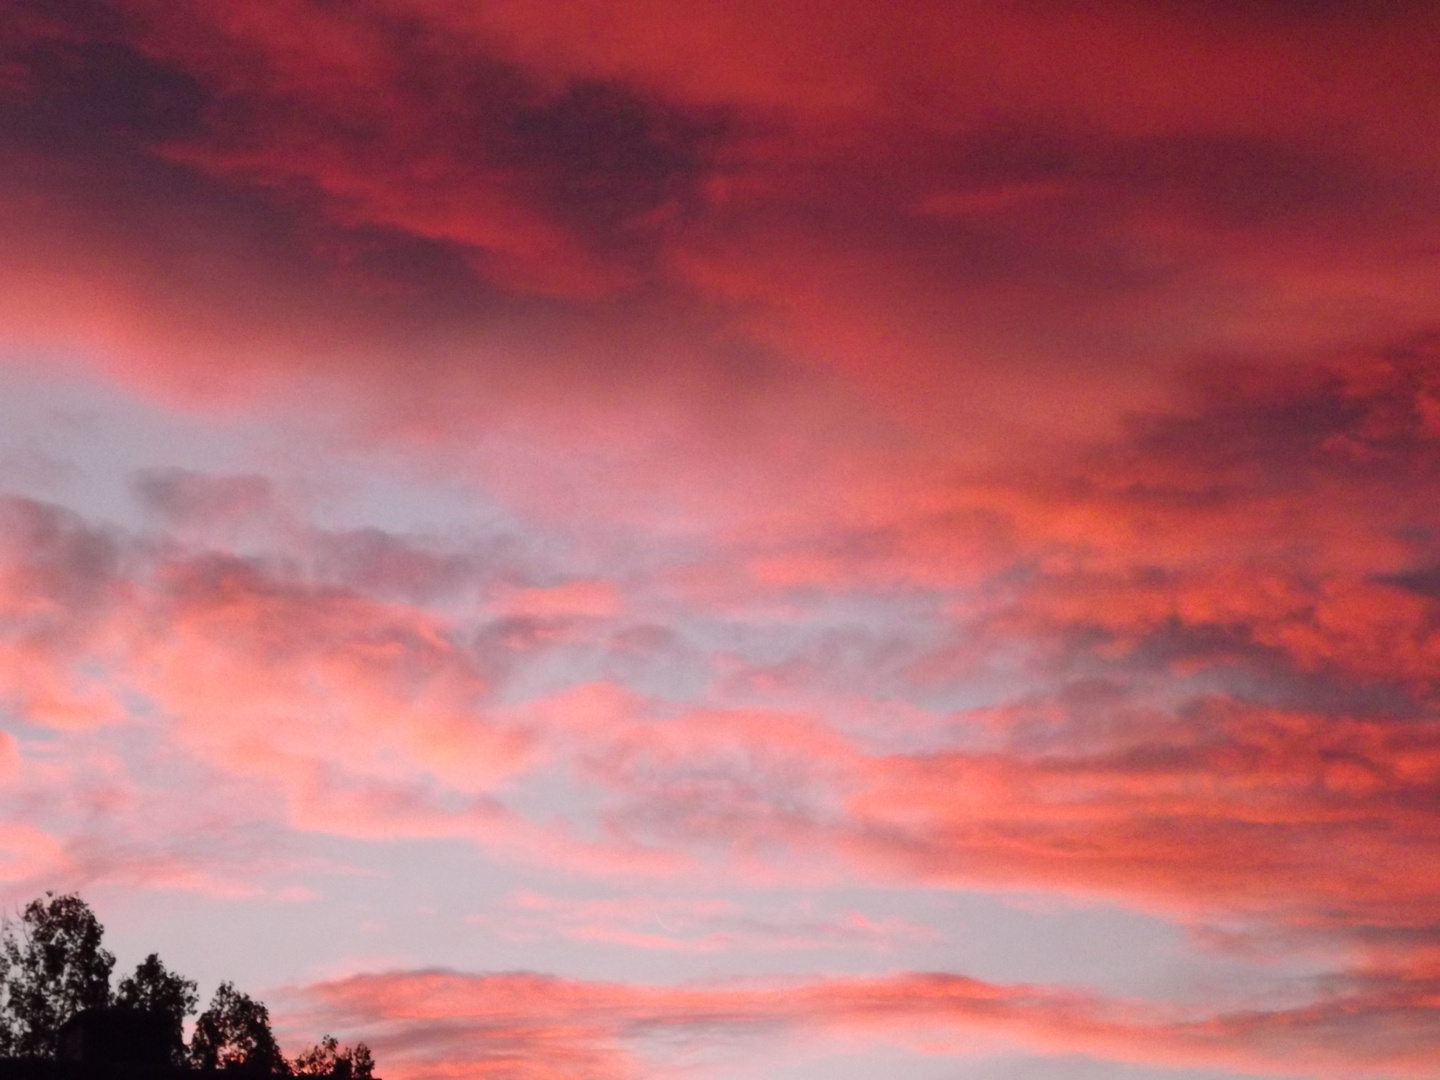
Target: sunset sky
pixel 721 540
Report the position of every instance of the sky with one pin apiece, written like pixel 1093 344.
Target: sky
pixel 712 540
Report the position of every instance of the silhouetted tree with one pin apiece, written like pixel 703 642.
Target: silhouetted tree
pixel 155 990
pixel 329 1058
pixel 53 967
pixel 235 1032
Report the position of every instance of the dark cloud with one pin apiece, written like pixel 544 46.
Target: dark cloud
pixel 385 564
pixel 605 155
pixel 55 556
pixel 181 497
pixel 85 96
pixel 1424 581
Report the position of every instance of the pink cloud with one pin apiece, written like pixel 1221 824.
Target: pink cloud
pixel 27 855
pixel 1235 808
pixel 574 599
pixel 533 1026
pixel 691 925
pixel 1021 427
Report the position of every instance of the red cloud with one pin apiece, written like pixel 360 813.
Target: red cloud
pixel 209 206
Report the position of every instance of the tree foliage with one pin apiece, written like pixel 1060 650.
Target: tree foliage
pixel 328 1058
pixel 235 1031
pixel 160 992
pixel 52 966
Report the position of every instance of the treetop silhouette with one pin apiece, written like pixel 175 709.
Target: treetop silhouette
pixel 153 989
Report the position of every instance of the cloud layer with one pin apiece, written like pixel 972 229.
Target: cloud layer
pixel 676 455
